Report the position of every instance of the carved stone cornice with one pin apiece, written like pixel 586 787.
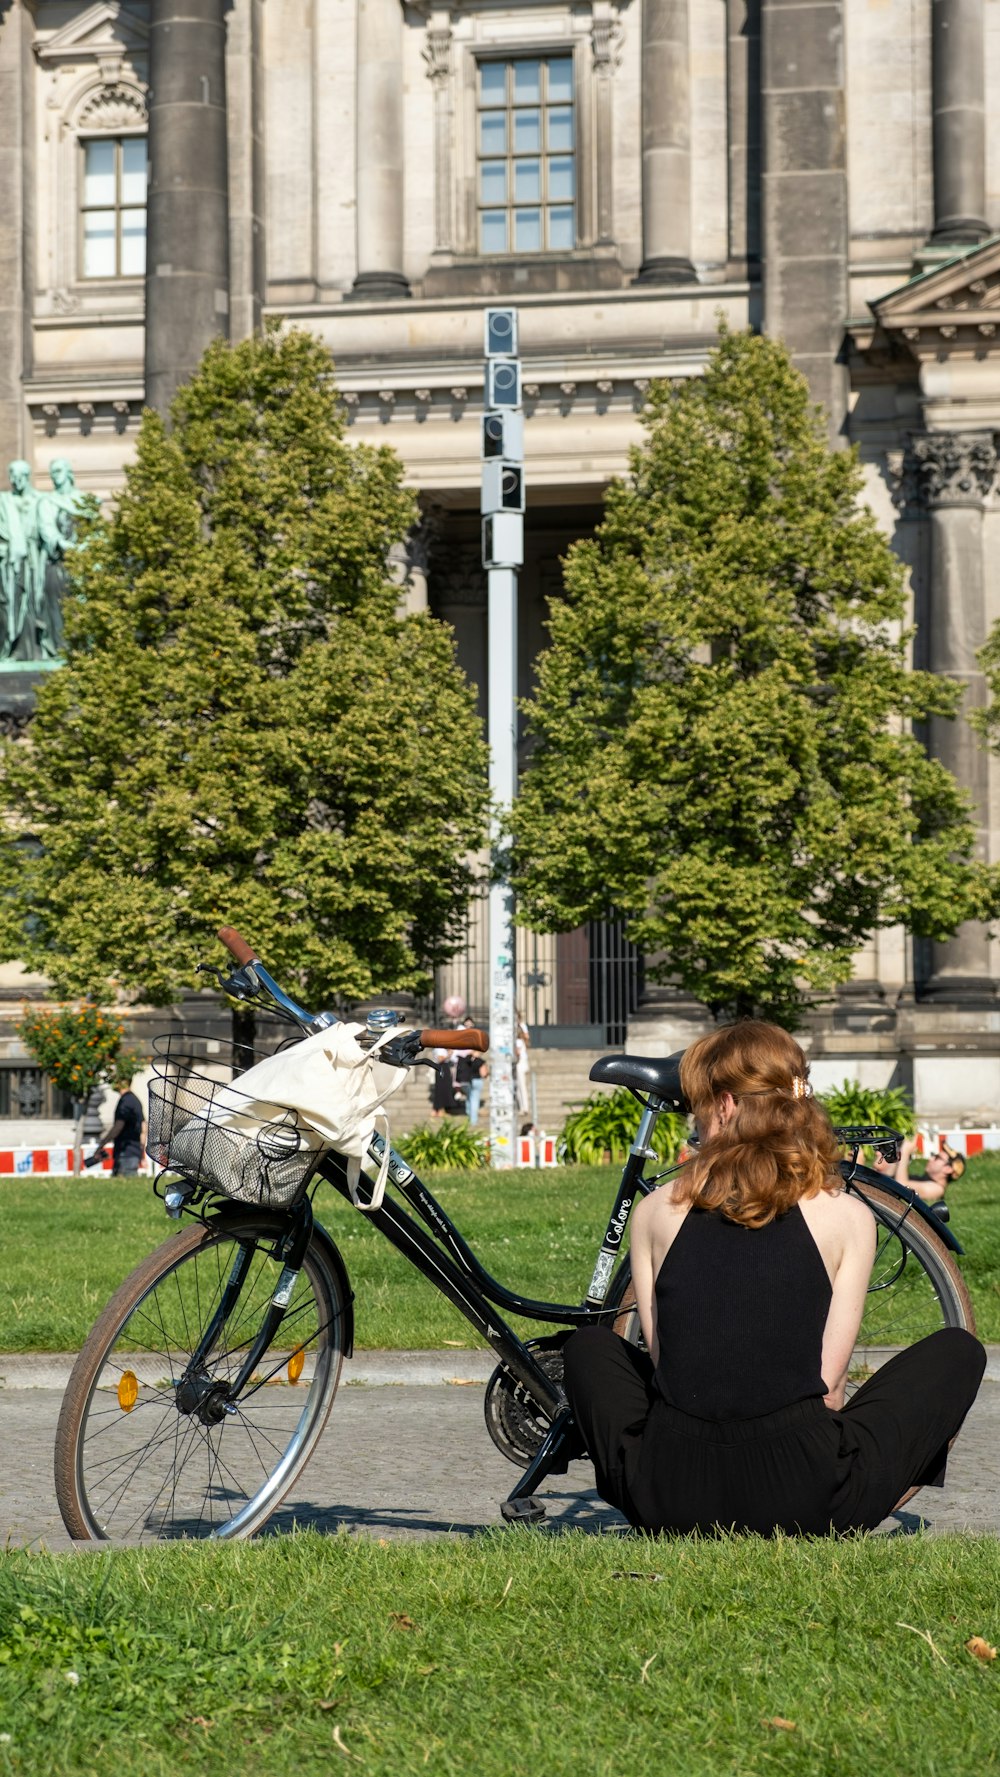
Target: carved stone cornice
pixel 955 308
pixel 939 469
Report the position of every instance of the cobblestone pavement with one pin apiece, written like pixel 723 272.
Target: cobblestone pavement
pixel 444 1476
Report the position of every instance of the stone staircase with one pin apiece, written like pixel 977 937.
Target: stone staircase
pixel 559 1080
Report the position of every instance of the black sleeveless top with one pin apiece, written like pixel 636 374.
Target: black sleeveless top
pixel 740 1316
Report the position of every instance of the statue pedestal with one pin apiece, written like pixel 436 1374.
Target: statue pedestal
pixel 19 680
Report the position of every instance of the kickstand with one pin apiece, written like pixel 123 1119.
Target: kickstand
pixel 522 1505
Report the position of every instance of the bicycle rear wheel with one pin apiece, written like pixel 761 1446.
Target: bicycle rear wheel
pixel 915 1288
pixel 144 1450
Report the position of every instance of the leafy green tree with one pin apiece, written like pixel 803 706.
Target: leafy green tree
pixel 245 730
pixel 76 1047
pixel 721 733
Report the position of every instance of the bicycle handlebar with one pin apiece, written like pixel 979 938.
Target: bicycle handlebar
pixel 237 946
pixel 429 1039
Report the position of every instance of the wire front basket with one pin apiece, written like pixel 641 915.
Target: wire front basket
pixel 222 1138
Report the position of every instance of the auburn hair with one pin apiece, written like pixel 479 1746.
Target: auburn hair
pixel 777 1146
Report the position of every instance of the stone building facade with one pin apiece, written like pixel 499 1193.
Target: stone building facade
pixel 624 171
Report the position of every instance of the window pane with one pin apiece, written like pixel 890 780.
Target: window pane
pixel 527 83
pixel 561 180
pixel 527 132
pixel 493 182
pixel 562 234
pixel 560 78
pixel 493 83
pixel 527 231
pixel 560 131
pixel 133 243
pixel 528 181
pixel 493 231
pixel 99 244
pixel 493 133
pixel 134 170
pixel 99 173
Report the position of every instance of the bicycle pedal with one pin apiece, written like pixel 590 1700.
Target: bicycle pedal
pixel 529 1510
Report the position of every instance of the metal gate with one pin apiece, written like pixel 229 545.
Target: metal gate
pixel 574 989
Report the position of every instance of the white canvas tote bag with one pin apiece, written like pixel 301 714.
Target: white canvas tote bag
pixel 335 1089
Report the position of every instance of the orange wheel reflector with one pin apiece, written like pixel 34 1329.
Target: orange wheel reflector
pixel 128 1391
pixel 296 1365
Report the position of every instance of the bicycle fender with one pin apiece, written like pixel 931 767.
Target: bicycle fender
pixel 237 1211
pixel 333 1254
pixel 866 1176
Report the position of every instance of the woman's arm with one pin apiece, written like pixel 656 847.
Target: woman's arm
pixel 643 1275
pixel 850 1285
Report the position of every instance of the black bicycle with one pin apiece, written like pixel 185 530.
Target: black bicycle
pixel 205 1384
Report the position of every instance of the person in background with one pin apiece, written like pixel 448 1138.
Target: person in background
pixel 127 1134
pixel 471 1072
pixel 940 1170
pixel 522 1066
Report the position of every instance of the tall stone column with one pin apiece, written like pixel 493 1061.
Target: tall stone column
pixel 245 112
pixel 804 191
pixel 743 113
pixel 380 152
pixel 956 472
pixel 16 87
pixel 959 110
pixel 187 246
pixel 666 144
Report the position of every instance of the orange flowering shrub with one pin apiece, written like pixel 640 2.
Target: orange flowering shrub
pixel 76 1047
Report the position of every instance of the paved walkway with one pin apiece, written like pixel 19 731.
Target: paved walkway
pixel 445 1476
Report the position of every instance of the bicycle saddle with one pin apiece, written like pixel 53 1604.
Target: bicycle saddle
pixel 660 1074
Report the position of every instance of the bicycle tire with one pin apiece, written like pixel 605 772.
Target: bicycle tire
pixel 897 1313
pixel 152 1470
pixel 904 1305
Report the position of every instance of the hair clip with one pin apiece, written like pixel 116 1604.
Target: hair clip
pixel 800 1087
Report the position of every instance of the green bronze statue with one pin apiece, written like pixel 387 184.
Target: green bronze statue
pixel 57 514
pixel 36 532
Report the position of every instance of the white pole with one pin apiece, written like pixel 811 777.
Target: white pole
pixel 502 507
pixel 503 788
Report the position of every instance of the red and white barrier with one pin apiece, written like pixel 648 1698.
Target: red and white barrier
pixel 962 1141
pixel 26 1162
pixel 537 1150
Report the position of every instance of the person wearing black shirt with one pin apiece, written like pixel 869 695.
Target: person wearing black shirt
pixel 751 1269
pixel 127 1133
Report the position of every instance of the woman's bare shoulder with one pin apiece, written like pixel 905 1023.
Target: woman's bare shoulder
pixel 656 1209
pixel 838 1209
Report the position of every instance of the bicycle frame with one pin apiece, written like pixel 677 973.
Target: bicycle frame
pixel 445 1258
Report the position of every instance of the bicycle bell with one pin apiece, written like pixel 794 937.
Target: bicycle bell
pixel 381 1019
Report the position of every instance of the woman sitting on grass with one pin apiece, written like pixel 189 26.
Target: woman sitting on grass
pixel 750 1271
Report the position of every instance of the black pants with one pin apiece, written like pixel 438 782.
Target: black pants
pixel 802 1470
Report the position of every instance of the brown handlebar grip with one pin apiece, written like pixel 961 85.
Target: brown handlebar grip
pixel 455 1039
pixel 236 946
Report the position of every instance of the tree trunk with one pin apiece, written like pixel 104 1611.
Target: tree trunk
pixel 78 1110
pixel 244 1037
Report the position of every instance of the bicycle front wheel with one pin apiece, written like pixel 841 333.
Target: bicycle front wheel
pixel 147 1447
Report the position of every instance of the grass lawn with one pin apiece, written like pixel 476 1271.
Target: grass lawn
pixel 67 1244
pixel 515 1651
